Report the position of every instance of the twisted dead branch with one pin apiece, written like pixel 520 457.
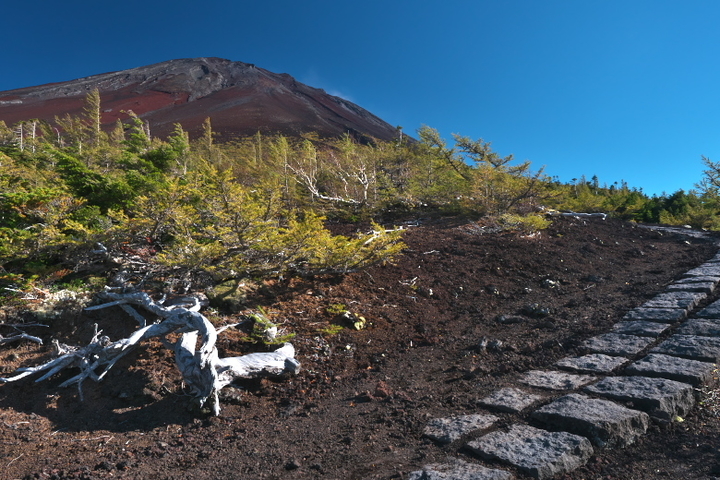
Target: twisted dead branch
pixel 196 356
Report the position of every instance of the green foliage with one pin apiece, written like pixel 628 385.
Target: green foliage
pixel 137 136
pixel 331 330
pixel 682 208
pixel 527 224
pixel 7 137
pixel 257 206
pixel 107 191
pixel 265 331
pixel 211 222
pixel 346 317
pixel 336 309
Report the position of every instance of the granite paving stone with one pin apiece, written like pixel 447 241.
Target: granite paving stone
pixel 617 345
pixel 605 423
pixel 554 380
pixel 511 400
pixel 457 469
pixel 704 327
pixel 698 279
pixel 593 363
pixel 705 287
pixel 661 398
pixel 706 269
pixel 711 311
pixel 684 300
pixel 662 315
pixel 641 328
pixel 684 370
pixel 535 452
pixel 705 349
pixel 660 385
pixel 447 430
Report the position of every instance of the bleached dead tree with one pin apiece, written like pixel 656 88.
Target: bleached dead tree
pixel 203 371
pixel 306 167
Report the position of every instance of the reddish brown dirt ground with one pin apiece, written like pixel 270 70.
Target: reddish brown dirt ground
pixel 362 399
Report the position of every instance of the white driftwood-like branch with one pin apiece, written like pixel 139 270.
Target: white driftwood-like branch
pixel 578 215
pixel 196 356
pixel 19 336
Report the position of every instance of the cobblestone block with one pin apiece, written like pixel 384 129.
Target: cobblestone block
pixel 459 470
pixel 662 315
pixel 447 430
pixel 711 311
pixel 705 349
pixel 605 423
pixel 706 269
pixel 684 370
pixel 704 327
pixel 553 380
pixel 661 398
pixel 593 363
pixel 699 278
pixel 704 287
pixel 683 300
pixel 535 452
pixel 511 400
pixel 617 345
pixel 642 328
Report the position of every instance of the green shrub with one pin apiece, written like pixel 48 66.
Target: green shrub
pixel 527 224
pixel 213 223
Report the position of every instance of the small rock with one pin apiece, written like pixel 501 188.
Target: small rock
pixel 382 390
pixel 492 290
pixel 509 319
pixel 104 465
pixel 535 310
pixel 495 345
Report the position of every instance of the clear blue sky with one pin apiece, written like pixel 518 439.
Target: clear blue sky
pixel 621 89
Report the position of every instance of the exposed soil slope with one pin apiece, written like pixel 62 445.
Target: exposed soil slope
pixel 240 98
pixel 358 408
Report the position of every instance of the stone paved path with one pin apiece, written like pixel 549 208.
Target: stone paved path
pixel 645 370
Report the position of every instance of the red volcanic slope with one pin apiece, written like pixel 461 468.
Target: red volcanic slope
pixel 240 99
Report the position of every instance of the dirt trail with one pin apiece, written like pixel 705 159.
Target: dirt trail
pixel 363 397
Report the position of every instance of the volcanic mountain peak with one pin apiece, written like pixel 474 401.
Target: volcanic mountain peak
pixel 240 99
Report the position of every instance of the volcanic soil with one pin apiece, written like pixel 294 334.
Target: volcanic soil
pixel 461 313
